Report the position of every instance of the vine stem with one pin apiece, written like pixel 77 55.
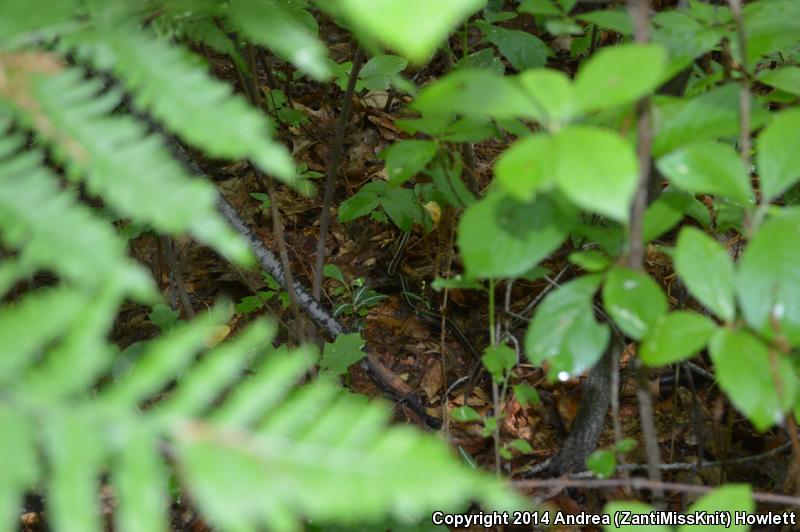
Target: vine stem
pixel 332 171
pixel 639 12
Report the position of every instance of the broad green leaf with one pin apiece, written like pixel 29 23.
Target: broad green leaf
pixel 362 202
pixel 618 21
pixel 402 207
pixel 665 213
pixel 345 351
pixel 708 168
pixel 591 260
pixel 501 237
pixel 676 337
pixel 779 153
pixel 553 93
pixel 563 331
pixel 770 26
pixel 406 158
pixel 465 414
pixel 499 360
pixel 709 116
pixel 729 498
pixel 634 301
pixel 332 271
pixel 786 79
pixel 526 395
pixel 475 93
pixel 596 169
pixel 602 463
pixel 527 167
pixel 272 23
pixel 377 73
pixel 37 18
pixel 539 7
pixel 629 508
pixel 409 26
pixel 522 446
pixel 522 49
pixel 768 279
pixel 619 75
pixel 745 372
pixel 707 269
pixel 485 59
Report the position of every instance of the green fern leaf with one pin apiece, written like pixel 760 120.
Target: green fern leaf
pixel 124 164
pixel 18 462
pixel 47 225
pixel 26 21
pixel 174 86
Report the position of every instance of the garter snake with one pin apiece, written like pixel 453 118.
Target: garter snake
pixel 415 302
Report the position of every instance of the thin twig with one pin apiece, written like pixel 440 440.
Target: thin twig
pixel 175 272
pixel 332 172
pixel 639 12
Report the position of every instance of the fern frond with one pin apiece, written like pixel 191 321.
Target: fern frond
pixel 174 86
pixel 128 167
pixel 18 462
pixel 28 21
pixel 46 225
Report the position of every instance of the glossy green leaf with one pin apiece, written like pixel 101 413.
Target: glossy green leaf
pixel 616 20
pixel 786 79
pixel 733 498
pixel 745 372
pixel 376 74
pixel 707 270
pixel 475 93
pixel 406 158
pixel 779 153
pixel 553 94
pixel 619 75
pixel 527 167
pixel 522 49
pixel 675 337
pixel 563 331
pixel 501 237
pixel 634 301
pixel 602 463
pixel 768 279
pixel 400 24
pixel 708 168
pixel 345 351
pixel 596 169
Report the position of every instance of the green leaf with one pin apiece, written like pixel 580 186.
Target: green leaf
pixel 18 461
pixel 768 280
pixel 709 116
pixel 377 73
pixel 527 167
pixel 707 269
pixel 634 301
pixel 484 59
pixel 271 23
pixel 522 49
pixel 526 395
pixel 499 360
pixel 345 351
pixel 553 94
pixel 618 21
pixel 708 168
pixel 362 202
pixel 501 237
pixel 332 271
pixel 409 26
pixel 602 463
pixel 163 316
pixel 779 153
pixel 676 337
pixel 619 75
pixel 745 373
pixel 603 178
pixel 402 207
pixel 407 158
pixel 564 332
pixel 591 260
pixel 465 414
pixel 626 445
pixel 539 7
pixel 733 498
pixel 665 213
pixel 475 93
pixel 521 445
pixel 786 79
pixel 457 281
